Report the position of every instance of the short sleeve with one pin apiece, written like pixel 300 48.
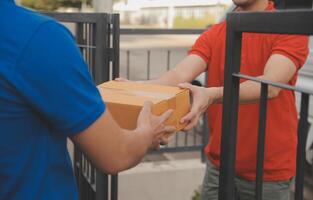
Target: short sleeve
pixel 53 79
pixel 203 46
pixel 294 47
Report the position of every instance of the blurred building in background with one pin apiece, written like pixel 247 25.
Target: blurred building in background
pixel 171 14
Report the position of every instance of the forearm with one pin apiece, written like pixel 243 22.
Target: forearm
pixel 249 92
pixel 133 148
pixel 172 78
pixel 110 147
pixel 185 71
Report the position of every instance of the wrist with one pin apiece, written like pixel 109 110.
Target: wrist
pixel 143 135
pixel 215 94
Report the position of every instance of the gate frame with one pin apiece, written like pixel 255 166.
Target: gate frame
pixel 280 22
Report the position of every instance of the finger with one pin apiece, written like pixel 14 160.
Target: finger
pixel 169 129
pixel 122 79
pixel 189 115
pixel 147 106
pixel 189 126
pixel 164 141
pixel 166 115
pixel 192 124
pixel 186 86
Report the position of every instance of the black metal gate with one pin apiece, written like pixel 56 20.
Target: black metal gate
pixel 284 22
pixel 97 36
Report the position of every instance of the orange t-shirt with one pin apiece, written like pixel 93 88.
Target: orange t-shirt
pixel 281 127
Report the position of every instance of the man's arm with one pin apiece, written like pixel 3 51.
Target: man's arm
pixel 113 149
pixel 56 85
pixel 185 71
pixel 278 68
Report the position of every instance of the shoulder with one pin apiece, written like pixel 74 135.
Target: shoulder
pixel 34 21
pixel 19 25
pixel 215 30
pixel 38 28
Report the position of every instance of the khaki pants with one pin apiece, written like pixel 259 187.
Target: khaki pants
pixel 279 190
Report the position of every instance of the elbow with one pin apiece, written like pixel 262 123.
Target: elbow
pixel 111 167
pixel 117 162
pixel 273 92
pixel 111 170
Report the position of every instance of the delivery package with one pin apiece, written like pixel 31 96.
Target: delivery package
pixel 126 99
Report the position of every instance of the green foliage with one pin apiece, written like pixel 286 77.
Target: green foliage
pixel 52 4
pixel 196 195
pixel 180 22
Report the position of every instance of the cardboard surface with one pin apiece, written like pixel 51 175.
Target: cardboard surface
pixel 126 99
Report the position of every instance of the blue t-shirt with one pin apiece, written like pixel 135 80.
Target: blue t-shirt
pixel 46 95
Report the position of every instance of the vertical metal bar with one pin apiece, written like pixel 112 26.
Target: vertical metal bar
pixel 195 133
pixel 76 162
pixel 205 129
pixel 127 64
pixel 230 113
pixel 114 187
pixel 168 60
pixel 303 127
pixel 89 44
pixel 102 62
pixel 92 176
pixel 205 137
pixel 101 186
pixel 176 140
pixel 148 64
pixel 80 176
pixel 116 45
pixel 102 73
pixel 88 170
pixel 261 142
pixel 79 34
pixel 186 138
pixel 85 40
pixel 84 164
pixel 93 33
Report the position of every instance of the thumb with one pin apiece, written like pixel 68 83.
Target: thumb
pixel 166 115
pixel 145 111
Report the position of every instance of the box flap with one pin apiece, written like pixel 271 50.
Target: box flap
pixel 141 87
pixel 133 93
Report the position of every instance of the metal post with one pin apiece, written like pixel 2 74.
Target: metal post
pixel 114 187
pixel 302 137
pixel 102 62
pixel 168 60
pixel 261 142
pixel 102 186
pixel 230 112
pixel 116 45
pixel 205 135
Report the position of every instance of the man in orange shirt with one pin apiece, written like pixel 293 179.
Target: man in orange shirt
pixel 274 57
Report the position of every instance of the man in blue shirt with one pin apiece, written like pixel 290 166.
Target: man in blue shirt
pixel 46 96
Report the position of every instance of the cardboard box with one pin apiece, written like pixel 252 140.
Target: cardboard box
pixel 126 99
